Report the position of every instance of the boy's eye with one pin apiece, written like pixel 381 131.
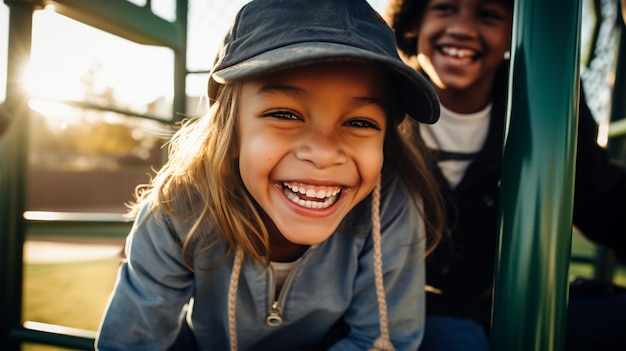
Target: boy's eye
pixel 362 123
pixel 494 12
pixel 491 14
pixel 443 7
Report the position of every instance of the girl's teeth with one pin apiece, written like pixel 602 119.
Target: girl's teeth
pixel 308 203
pixel 328 194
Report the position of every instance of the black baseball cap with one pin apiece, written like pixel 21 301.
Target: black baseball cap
pixel 272 35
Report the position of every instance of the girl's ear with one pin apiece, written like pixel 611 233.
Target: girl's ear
pixel 235 147
pixel 234 151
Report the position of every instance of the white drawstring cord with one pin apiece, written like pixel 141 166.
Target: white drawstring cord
pixel 232 298
pixel 382 343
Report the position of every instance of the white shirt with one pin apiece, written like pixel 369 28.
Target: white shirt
pixel 458 137
pixel 281 271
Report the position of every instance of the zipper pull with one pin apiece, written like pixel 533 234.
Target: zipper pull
pixel 274 318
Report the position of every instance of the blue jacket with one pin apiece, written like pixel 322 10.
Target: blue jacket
pixel 332 285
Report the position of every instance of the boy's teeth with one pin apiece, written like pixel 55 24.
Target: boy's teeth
pixel 461 53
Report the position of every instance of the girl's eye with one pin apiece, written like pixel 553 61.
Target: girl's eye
pixel 362 124
pixel 282 115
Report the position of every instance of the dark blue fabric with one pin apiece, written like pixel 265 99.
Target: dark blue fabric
pixel 453 334
pixel 596 317
pixel 596 321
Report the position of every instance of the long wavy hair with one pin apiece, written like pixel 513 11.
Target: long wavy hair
pixel 200 183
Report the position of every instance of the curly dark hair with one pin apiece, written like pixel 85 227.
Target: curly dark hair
pixel 403 16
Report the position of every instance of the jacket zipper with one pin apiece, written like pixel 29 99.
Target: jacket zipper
pixel 275 315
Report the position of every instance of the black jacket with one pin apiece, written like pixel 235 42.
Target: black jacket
pixel 462 267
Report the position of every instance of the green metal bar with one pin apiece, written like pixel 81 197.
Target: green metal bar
pixel 124 19
pixel 604 265
pixel 13 167
pixel 97 107
pixel 55 335
pixel 618 127
pixel 534 244
pixel 70 224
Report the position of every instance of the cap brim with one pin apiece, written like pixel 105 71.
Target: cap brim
pixel 417 96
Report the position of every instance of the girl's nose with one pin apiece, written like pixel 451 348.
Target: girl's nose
pixel 321 150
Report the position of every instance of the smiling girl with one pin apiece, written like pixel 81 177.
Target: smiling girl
pixel 278 214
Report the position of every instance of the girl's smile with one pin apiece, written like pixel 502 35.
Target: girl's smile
pixel 311 196
pixel 311 145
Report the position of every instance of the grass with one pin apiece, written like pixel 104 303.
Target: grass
pixel 74 294
pixel 620 275
pixel 582 246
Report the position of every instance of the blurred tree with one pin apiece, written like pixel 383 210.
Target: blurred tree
pixel 84 138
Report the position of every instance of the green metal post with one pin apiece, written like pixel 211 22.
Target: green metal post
pixel 531 285
pixel 180 62
pixel 13 167
pixel 125 19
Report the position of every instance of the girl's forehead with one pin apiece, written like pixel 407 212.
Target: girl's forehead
pixel 360 74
